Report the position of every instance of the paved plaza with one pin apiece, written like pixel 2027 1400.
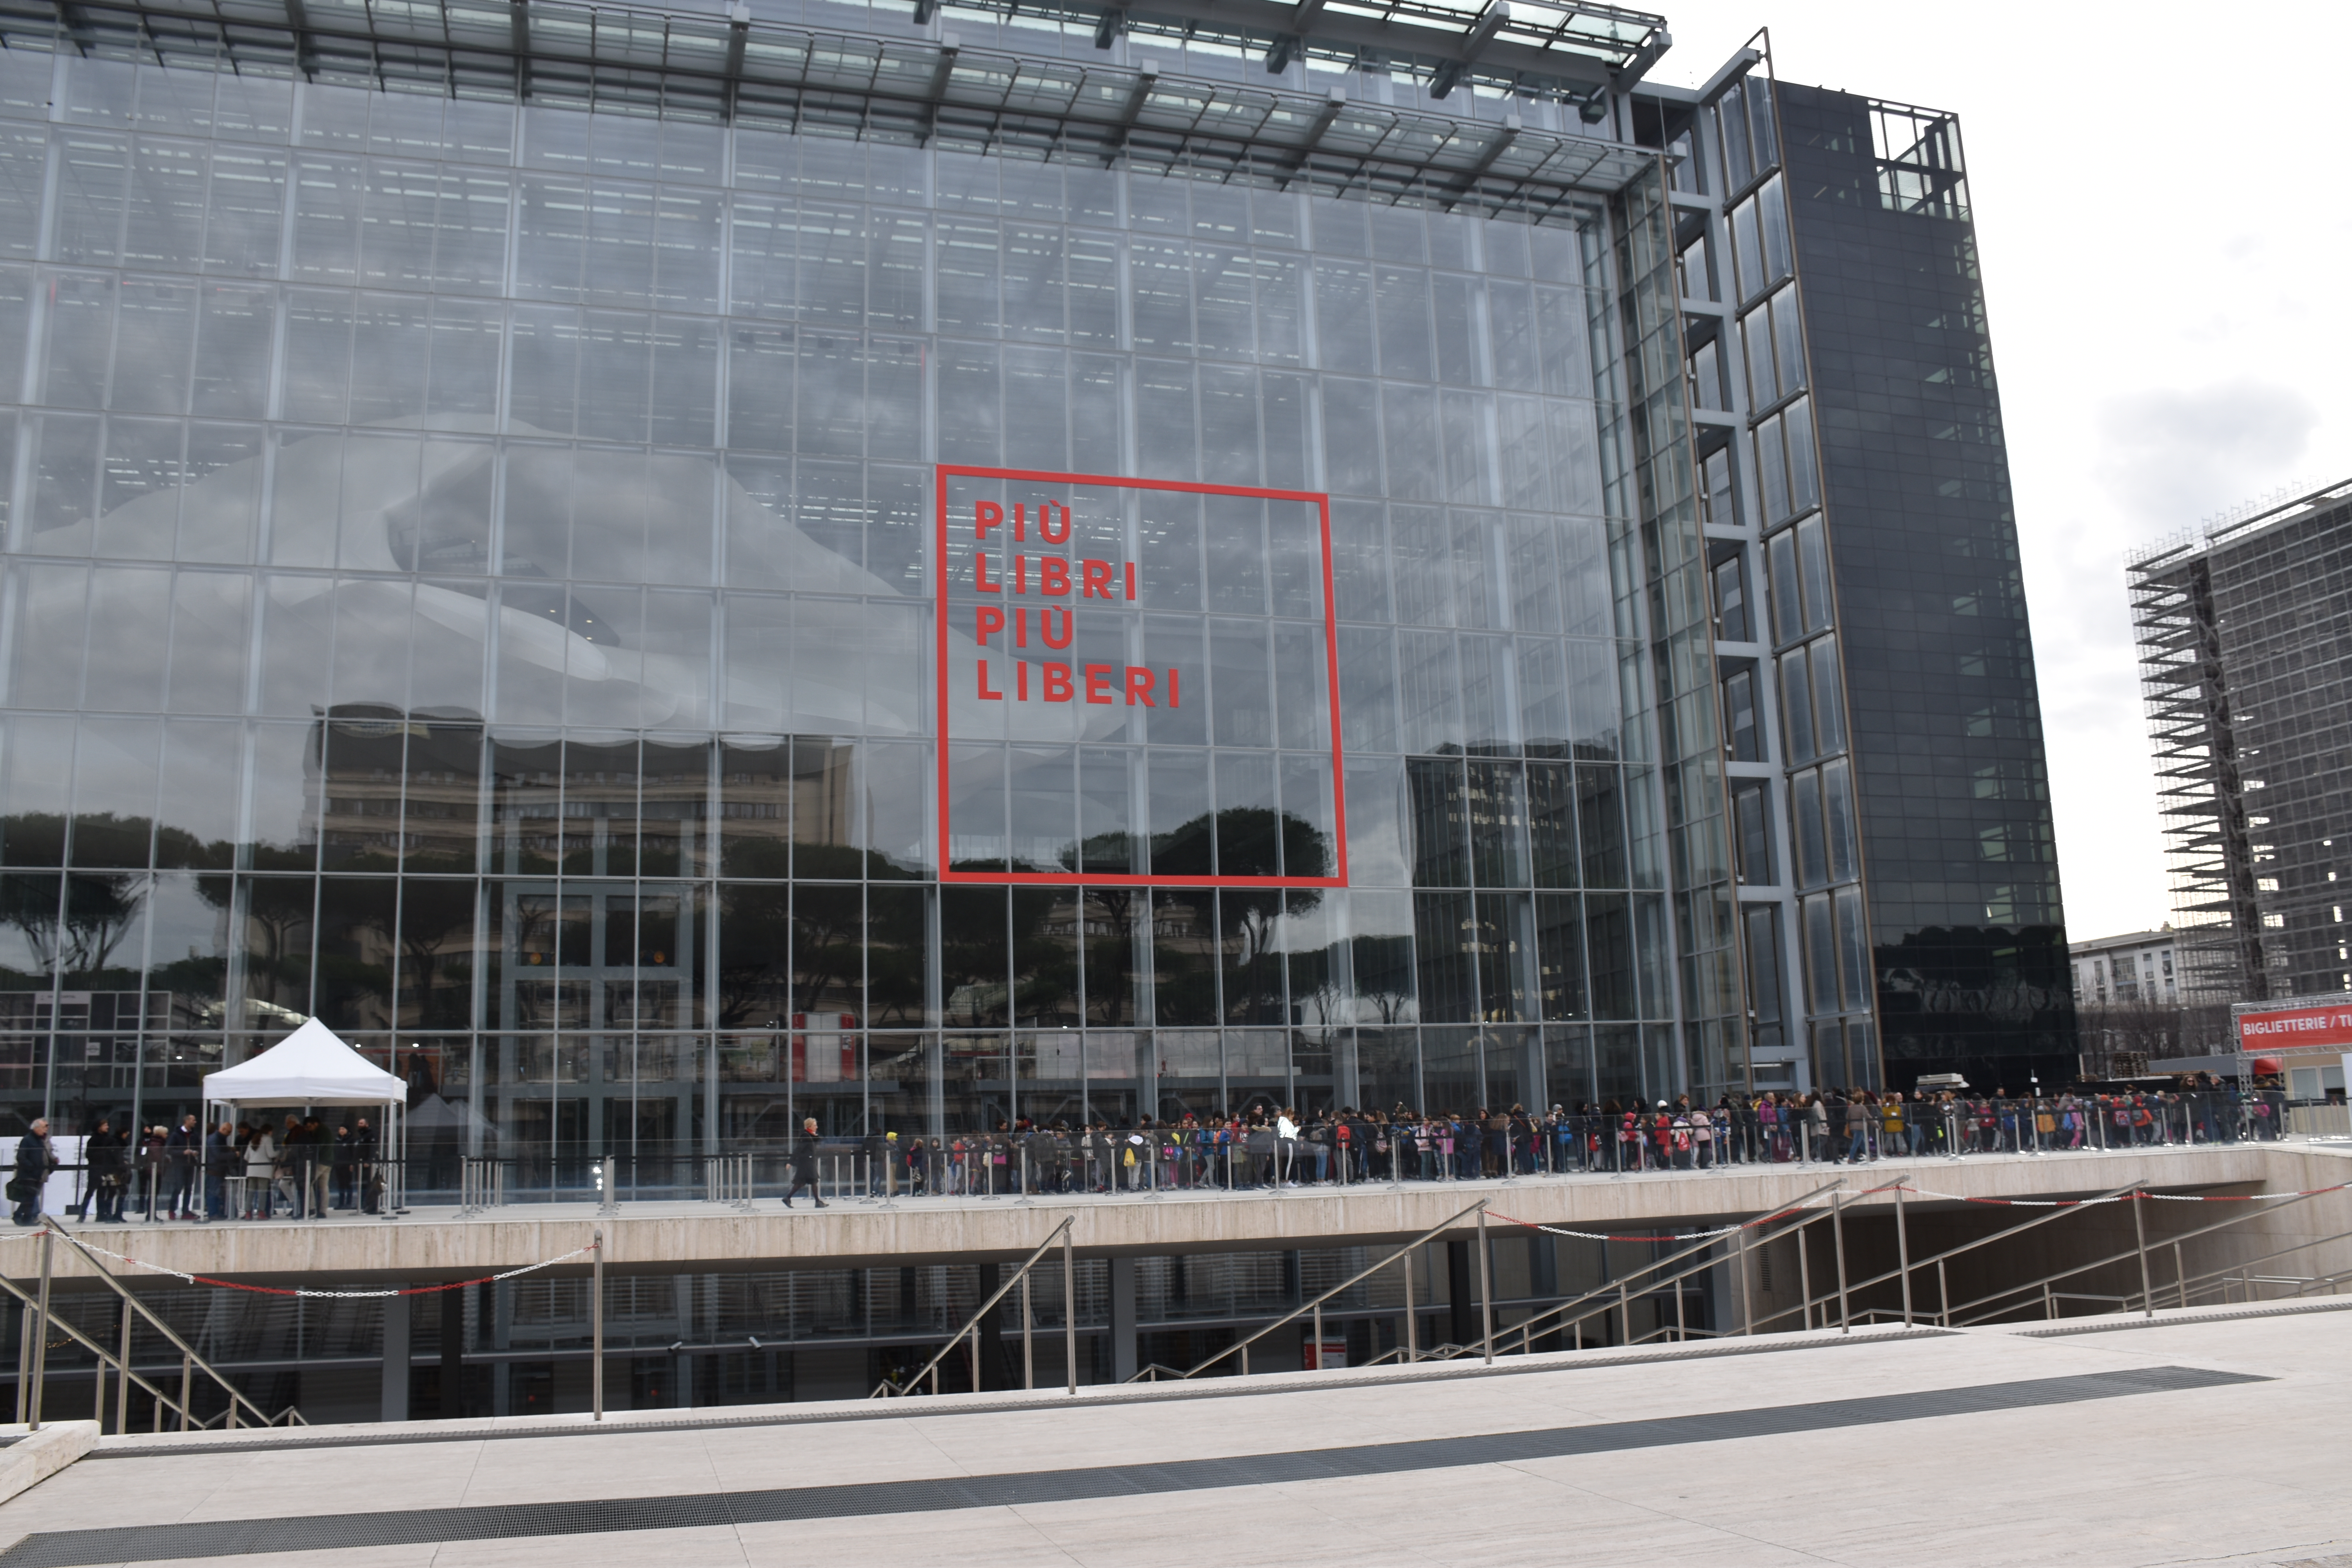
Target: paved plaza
pixel 2206 1438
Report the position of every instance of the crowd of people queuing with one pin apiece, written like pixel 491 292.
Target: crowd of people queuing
pixel 1266 1146
pixel 235 1170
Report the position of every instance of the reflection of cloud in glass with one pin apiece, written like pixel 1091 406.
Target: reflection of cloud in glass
pixel 560 596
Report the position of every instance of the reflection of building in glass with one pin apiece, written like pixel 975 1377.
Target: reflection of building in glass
pixel 471 561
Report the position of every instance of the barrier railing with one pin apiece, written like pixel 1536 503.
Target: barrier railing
pixel 970 1331
pixel 727 1179
pixel 1240 1348
pixel 485 1185
pixel 39 1317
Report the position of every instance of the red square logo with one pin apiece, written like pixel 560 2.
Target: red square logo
pixel 1138 682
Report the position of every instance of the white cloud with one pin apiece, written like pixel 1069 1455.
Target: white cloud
pixel 2170 457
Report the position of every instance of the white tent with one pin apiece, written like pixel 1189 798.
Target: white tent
pixel 313 1065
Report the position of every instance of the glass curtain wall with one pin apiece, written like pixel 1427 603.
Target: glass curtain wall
pixel 467 580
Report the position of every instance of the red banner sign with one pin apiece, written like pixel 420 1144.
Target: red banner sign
pixel 2292 1027
pixel 1183 631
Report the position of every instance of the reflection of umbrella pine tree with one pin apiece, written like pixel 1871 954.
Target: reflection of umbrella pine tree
pixel 1383 974
pixel 895 940
pixel 827 919
pixel 754 936
pixel 429 910
pixel 99 908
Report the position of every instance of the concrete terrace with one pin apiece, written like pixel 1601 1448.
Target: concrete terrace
pixel 427 1245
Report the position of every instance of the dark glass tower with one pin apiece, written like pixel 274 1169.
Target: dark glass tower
pixel 1959 869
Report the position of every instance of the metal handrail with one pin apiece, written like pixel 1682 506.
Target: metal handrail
pixel 2148 1293
pixel 1618 1290
pixel 886 1389
pixel 187 1352
pixel 1478 1209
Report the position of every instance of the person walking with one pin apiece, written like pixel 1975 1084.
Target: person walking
pixel 103 1153
pixel 366 1164
pixel 182 1151
pixel 805 1166
pixel 34 1161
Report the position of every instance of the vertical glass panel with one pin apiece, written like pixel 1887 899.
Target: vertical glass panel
pixel 1600 825
pixel 1253 970
pixel 441 800
pixel 1444 947
pixel 1837 799
pixel 245 212
pixel 674 806
pixel 1854 950
pixel 358 932
pixel 1380 959
pixel 52 619
pixel 273 920
pixel 1551 825
pixel 1507 957
pixel 1813 558
pixel 1805 827
pixel 1439 822
pixel 1378 819
pixel 1797 707
pixel 755 789
pixel 114 793
pixel 526 804
pixel 1609 944
pixel 1821 955
pixel 1184 957
pixel 1559 947
pixel 1829 695
pixel 154 338
pixel 1498 824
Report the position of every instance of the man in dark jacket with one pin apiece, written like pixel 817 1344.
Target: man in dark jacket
pixel 363 1156
pixel 33 1163
pixel 220 1159
pixel 805 1165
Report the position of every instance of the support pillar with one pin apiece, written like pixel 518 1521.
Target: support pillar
pixel 992 1330
pixel 1124 1361
pixel 395 1358
pixel 1543 1279
pixel 1463 1328
pixel 453 1354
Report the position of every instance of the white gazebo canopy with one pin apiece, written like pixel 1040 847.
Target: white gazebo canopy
pixel 312 1065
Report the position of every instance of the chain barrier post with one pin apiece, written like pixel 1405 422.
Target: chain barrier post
pixel 1837 1226
pixel 1486 1292
pixel 1903 1253
pixel 596 1324
pixel 2139 1240
pixel 41 1326
pixel 1411 1314
pixel 122 1386
pixel 1069 1307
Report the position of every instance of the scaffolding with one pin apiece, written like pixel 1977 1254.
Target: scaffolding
pixel 2242 660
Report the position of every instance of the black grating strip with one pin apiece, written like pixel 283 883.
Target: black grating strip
pixel 341 1532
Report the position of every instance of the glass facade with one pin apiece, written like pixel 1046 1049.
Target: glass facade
pixel 470 578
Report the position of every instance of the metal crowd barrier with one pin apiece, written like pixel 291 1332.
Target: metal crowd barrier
pixel 727 1179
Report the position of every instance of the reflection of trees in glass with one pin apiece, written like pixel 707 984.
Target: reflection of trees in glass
pixel 972 955
pixel 755 938
pixel 1383 966
pixel 1045 962
pixel 1109 953
pixel 896 937
pixel 278 910
pixel 1251 841
pixel 434 970
pixel 828 925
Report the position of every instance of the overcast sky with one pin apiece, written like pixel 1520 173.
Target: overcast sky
pixel 2160 201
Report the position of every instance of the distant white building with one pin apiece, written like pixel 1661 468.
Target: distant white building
pixel 2137 968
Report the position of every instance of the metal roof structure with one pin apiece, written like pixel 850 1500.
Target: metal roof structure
pixel 914 89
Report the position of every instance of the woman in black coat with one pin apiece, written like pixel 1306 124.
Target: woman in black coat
pixel 805 1165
